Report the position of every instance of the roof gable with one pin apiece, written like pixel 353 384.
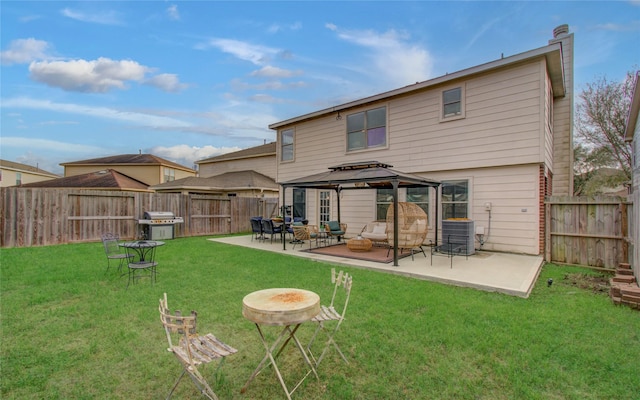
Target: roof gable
pixel 257 151
pixel 230 180
pixel 26 168
pixel 106 179
pixel 129 159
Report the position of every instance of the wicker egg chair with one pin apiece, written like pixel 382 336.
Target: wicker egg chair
pixel 412 227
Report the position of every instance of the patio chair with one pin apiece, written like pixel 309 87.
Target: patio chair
pixel 412 227
pixel 191 349
pixel 141 265
pixel 335 229
pixel 113 251
pixel 270 229
pixel 305 232
pixel 256 228
pixel 343 281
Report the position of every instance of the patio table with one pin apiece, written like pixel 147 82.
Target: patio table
pixel 285 307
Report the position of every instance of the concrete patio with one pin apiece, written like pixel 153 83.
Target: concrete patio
pixel 512 274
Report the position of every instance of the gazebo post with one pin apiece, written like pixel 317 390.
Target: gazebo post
pixel 338 190
pixel 284 217
pixel 395 222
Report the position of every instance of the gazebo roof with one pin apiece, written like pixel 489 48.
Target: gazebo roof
pixel 360 175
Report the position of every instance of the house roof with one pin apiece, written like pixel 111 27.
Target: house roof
pixel 129 159
pixel 632 119
pixel 237 180
pixel 360 175
pixel 109 179
pixel 257 151
pixel 552 53
pixel 26 168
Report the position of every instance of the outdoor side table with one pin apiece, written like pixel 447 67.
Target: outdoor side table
pixel 284 307
pixel 359 244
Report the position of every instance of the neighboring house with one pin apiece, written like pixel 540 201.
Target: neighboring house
pixel 14 174
pixel 261 159
pixel 499 136
pixel 108 179
pixel 238 183
pixel 632 134
pixel 145 168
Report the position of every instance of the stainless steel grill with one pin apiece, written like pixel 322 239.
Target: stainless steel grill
pixel 159 217
pixel 158 225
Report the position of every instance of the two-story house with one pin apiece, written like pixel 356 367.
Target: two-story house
pixel 15 174
pixel 498 136
pixel 145 168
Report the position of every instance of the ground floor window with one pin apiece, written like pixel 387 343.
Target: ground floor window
pixel 300 203
pixel 420 196
pixel 384 198
pixel 455 199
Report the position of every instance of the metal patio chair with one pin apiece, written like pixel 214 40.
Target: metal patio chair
pixel 191 349
pixel 343 281
pixel 112 249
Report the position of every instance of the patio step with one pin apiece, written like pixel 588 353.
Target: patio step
pixel 624 288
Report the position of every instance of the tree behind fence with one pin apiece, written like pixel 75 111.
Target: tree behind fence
pixel 39 217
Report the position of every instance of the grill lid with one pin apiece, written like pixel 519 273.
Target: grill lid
pixel 158 215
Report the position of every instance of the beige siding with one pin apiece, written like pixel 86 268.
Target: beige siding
pixel 9 177
pixel 503 126
pixel 266 165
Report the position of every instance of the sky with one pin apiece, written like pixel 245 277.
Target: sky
pixel 190 80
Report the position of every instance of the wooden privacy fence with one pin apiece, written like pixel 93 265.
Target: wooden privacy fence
pixel 38 217
pixel 587 231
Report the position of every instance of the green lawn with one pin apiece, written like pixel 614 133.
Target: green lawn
pixel 71 331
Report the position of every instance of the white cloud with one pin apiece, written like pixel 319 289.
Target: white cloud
pixel 275 72
pixel 97 76
pixel 173 13
pixel 256 54
pixel 149 120
pixel 187 155
pixel 101 17
pixel 392 55
pixel 239 85
pixel 49 145
pixel 24 51
pixel 167 83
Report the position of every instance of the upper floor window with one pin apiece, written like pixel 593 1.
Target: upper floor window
pixel 452 104
pixel 18 178
pixel 169 174
pixel 367 129
pixel 455 199
pixel 286 140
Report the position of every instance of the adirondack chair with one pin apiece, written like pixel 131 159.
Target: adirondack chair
pixel 341 281
pixel 191 349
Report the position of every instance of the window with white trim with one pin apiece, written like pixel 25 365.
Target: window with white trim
pixel 452 104
pixel 455 199
pixel 169 174
pixel 286 145
pixel 384 198
pixel 367 129
pixel 325 207
pixel 420 196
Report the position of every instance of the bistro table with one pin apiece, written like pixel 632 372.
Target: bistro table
pixel 143 248
pixel 284 307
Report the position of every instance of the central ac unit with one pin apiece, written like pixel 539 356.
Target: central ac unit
pixel 459 232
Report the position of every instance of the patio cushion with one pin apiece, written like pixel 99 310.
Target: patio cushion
pixel 379 229
pixel 333 225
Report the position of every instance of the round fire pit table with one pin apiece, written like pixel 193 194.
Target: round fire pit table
pixel 359 244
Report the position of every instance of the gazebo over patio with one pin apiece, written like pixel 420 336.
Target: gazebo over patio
pixel 364 175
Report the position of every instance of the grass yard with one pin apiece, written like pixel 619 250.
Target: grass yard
pixel 70 331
